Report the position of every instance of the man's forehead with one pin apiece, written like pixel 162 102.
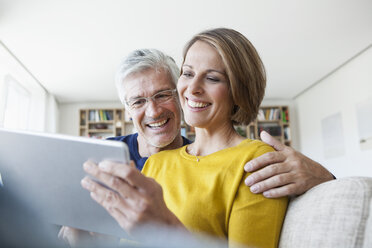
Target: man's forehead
pixel 147 83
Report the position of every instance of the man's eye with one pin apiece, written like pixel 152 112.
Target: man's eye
pixel 138 102
pixel 162 96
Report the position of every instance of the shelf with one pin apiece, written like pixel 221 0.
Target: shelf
pixel 270 121
pixel 100 131
pixel 100 122
pixel 104 122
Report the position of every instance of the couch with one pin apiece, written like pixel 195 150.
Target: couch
pixel 333 214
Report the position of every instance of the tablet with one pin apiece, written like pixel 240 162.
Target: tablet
pixel 44 171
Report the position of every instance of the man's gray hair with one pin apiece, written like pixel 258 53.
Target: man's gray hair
pixel 143 59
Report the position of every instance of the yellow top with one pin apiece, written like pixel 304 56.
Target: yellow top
pixel 208 194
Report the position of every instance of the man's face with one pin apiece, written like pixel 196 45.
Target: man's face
pixel 157 123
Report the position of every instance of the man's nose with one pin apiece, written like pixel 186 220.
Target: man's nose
pixel 153 109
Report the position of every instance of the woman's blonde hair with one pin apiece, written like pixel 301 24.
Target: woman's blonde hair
pixel 244 68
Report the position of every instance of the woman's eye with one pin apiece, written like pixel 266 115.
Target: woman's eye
pixel 213 79
pixel 187 74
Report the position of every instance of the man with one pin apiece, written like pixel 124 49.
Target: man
pixel 146 83
pixel 151 73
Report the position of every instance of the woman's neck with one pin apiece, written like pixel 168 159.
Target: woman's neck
pixel 210 140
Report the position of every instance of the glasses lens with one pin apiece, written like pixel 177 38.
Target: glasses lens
pixel 137 103
pixel 163 96
pixel 160 97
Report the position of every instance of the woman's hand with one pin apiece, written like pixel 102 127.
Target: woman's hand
pixel 137 199
pixel 79 238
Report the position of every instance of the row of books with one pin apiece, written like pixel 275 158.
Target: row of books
pixel 269 114
pixel 285 116
pixel 287 133
pixel 273 114
pixel 100 115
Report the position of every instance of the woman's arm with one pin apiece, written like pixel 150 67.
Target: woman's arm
pixel 137 200
pixel 255 220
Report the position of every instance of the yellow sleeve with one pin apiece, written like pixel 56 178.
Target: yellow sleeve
pixel 255 221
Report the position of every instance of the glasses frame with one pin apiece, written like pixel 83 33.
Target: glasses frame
pixel 147 99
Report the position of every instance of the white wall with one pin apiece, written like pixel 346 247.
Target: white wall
pixel 11 67
pixel 69 114
pixel 338 93
pixel 52 115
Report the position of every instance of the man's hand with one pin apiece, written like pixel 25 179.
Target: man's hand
pixel 137 199
pixel 283 172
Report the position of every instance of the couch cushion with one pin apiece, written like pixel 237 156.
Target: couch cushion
pixel 368 231
pixel 332 214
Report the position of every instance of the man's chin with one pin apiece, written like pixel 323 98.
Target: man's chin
pixel 161 144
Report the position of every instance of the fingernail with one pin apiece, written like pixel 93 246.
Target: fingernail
pixel 93 195
pixel 88 166
pixel 248 167
pixel 255 188
pixel 266 194
pixel 248 181
pixel 85 183
pixel 104 166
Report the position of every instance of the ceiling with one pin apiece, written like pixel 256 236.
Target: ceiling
pixel 73 47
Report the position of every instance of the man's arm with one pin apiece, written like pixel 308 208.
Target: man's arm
pixel 283 172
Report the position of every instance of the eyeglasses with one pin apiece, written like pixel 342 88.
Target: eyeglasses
pixel 158 98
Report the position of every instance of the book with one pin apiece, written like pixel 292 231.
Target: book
pixel 287 133
pixel 261 115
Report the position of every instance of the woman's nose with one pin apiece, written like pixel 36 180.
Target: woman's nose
pixel 195 86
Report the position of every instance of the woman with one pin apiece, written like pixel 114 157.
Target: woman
pixel 222 83
pixel 202 186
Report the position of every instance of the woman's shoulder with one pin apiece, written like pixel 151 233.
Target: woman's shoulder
pixel 254 143
pixel 257 146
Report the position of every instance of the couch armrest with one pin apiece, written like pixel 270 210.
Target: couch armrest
pixel 332 214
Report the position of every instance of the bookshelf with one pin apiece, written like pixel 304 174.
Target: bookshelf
pixel 273 119
pixel 104 123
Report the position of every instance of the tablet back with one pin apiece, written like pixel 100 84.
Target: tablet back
pixel 45 170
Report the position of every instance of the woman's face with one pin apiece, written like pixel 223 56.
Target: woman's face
pixel 204 88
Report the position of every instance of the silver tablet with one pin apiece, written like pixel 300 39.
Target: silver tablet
pixel 44 171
